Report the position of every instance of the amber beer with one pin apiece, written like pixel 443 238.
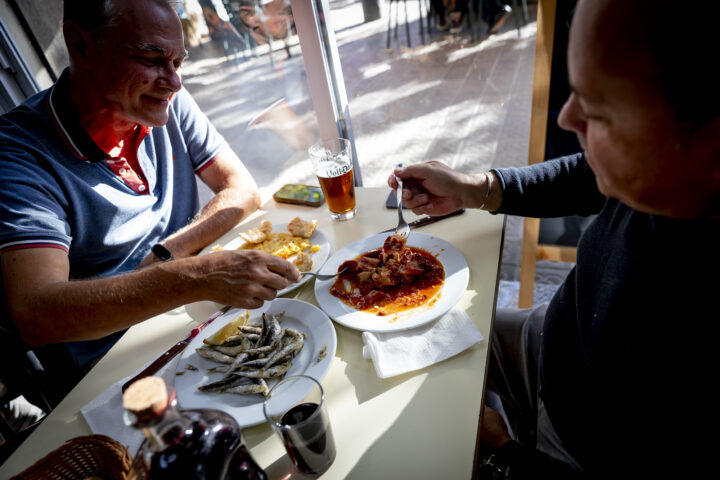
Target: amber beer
pixel 332 162
pixel 337 185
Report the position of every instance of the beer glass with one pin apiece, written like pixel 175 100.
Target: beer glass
pixel 332 163
pixel 295 408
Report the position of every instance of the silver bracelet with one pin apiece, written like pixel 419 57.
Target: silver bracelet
pixel 488 179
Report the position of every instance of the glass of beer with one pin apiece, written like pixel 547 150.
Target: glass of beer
pixel 332 162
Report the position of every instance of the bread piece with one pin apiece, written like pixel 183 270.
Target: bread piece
pixel 259 234
pixel 302 228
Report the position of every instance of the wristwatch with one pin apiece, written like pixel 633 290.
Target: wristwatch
pixel 161 252
pixel 492 468
pixel 499 464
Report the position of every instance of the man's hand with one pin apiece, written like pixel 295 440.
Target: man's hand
pixel 435 189
pixel 493 431
pixel 245 278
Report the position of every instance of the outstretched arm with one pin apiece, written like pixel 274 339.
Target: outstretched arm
pixel 435 189
pixel 48 308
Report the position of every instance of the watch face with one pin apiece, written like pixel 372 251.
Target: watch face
pixel 161 252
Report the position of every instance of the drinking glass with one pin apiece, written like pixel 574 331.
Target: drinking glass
pixel 332 163
pixel 295 408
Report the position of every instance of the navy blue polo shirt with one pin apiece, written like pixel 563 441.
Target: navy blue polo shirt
pixel 61 190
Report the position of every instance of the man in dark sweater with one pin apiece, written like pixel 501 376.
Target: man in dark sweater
pixel 613 378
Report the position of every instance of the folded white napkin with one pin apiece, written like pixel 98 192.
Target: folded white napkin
pixel 401 352
pixel 104 414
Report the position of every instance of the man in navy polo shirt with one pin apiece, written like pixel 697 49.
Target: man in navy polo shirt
pixel 99 169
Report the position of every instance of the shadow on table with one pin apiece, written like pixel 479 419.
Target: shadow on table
pixel 387 450
pixel 358 368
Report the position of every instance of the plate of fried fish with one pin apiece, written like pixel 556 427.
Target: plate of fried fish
pixel 297 241
pixel 232 364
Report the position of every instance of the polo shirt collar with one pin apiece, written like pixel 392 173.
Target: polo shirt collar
pixel 66 119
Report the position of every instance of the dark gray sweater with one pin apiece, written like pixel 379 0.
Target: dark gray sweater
pixel 630 344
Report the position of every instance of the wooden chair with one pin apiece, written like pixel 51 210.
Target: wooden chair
pixel 531 250
pixel 549 239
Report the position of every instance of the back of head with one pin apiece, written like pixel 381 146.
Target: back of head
pixel 676 40
pixel 685 43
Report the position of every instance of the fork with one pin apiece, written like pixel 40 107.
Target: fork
pixel 324 276
pixel 402 227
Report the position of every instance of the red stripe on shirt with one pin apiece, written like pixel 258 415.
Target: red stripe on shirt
pixel 210 162
pixel 33 245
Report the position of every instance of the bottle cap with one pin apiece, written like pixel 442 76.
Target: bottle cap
pixel 146 399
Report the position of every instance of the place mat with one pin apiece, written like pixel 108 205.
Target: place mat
pixel 406 351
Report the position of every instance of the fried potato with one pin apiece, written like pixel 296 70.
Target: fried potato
pixel 303 262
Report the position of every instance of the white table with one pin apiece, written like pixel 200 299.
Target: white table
pixel 422 424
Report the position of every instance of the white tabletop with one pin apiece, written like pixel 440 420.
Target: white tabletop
pixel 422 424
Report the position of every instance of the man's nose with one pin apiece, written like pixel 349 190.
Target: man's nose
pixel 171 78
pixel 571 117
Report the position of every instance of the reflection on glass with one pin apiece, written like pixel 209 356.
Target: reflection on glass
pixel 248 76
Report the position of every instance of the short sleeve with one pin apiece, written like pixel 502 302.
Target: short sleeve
pixel 202 140
pixel 31 204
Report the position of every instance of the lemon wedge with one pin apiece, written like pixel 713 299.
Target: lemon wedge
pixel 228 330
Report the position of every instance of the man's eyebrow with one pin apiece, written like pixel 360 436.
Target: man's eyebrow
pixel 152 48
pixel 582 93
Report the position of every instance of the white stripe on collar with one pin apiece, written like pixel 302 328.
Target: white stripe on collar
pixel 62 127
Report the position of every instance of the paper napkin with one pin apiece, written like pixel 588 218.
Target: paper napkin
pixel 104 414
pixel 406 351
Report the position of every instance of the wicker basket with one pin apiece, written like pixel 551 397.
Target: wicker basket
pixel 81 458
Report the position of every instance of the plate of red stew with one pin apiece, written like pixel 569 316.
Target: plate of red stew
pixel 389 283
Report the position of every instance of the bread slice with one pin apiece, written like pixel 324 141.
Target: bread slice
pixel 259 234
pixel 302 228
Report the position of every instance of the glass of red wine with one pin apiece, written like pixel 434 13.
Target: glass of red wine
pixel 295 408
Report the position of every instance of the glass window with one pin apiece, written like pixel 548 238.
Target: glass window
pixel 248 75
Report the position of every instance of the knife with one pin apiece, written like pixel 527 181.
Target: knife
pixel 163 359
pixel 428 220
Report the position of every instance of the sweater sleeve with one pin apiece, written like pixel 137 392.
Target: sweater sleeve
pixel 555 188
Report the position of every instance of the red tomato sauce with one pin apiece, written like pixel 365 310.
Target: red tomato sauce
pixel 389 280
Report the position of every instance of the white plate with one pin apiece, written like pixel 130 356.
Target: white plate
pixel 318 258
pixel 247 409
pixel 457 275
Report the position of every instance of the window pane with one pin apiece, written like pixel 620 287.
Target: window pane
pixel 250 80
pixel 453 99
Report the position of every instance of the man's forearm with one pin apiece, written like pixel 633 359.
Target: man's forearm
pixel 226 209
pixel 90 309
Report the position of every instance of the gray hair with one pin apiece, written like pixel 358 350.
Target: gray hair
pixel 94 16
pixel 91 15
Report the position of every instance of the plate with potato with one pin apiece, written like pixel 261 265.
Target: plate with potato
pixel 298 241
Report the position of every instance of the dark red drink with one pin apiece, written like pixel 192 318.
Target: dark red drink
pixel 310 446
pixel 202 444
pixel 201 451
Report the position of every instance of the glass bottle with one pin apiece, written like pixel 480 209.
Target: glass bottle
pixel 199 444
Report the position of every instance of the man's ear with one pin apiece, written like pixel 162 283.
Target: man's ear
pixel 78 42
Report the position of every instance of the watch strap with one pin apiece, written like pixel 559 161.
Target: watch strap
pixel 162 252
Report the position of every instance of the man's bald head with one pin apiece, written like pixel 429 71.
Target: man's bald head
pixel 674 46
pixel 96 15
